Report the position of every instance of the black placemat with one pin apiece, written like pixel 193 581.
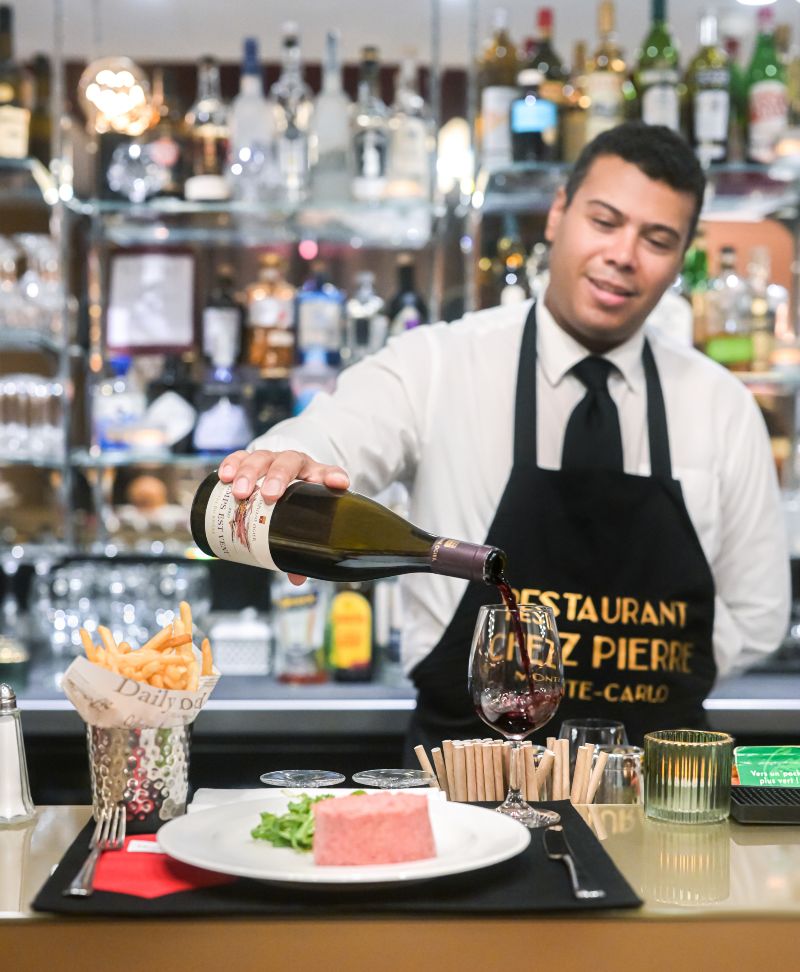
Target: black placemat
pixel 528 883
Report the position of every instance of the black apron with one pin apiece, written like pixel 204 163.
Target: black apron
pixel 618 559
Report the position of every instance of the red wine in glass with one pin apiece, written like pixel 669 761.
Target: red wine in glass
pixel 516 715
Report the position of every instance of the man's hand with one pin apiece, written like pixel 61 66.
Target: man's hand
pixel 277 469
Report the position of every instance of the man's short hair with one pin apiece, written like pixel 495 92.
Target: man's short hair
pixel 660 153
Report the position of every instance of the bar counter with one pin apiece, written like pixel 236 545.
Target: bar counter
pixel 724 897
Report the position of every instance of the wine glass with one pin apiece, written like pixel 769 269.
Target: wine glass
pixel 516 682
pixel 393 779
pixel 302 779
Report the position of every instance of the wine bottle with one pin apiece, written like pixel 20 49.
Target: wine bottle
pixel 497 78
pixel 767 98
pixel 41 128
pixel 606 78
pixel 223 316
pixel 168 139
pixel 330 534
pixel 14 119
pixel 657 74
pixel 708 79
pixel 533 121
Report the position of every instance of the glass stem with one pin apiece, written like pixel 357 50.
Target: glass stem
pixel 514 782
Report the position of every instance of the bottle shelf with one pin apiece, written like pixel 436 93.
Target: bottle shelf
pixel 388 224
pixel 736 191
pixel 17 339
pixel 87 459
pixel 26 182
pixel 35 462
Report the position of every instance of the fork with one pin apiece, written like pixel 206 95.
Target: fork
pixel 109 834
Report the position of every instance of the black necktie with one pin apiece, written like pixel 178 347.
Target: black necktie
pixel 592 439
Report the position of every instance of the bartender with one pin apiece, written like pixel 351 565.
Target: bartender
pixel 629 479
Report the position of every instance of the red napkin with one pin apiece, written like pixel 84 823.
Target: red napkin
pixel 150 874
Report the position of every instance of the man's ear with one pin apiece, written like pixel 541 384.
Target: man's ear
pixel 555 213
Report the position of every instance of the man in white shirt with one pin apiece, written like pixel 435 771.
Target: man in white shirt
pixel 629 479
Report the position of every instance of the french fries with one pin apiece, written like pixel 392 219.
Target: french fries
pixel 166 661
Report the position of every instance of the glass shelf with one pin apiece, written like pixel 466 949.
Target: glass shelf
pixel 36 462
pixel 15 338
pixel 390 224
pixel 736 191
pixel 86 459
pixel 26 182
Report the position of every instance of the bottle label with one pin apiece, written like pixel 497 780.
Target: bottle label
pixel 606 102
pixel 13 132
pixel 350 631
pixel 660 99
pixel 534 115
pixel 409 158
pixel 271 312
pixel 768 106
pixel 370 154
pixel 495 130
pixel 238 530
pixel 221 326
pixel 730 350
pixel 711 112
pixel 318 323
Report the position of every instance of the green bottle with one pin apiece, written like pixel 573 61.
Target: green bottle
pixel 767 95
pixel 14 119
pixel 657 76
pixel 708 96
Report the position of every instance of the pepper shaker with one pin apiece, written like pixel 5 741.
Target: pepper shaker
pixel 16 804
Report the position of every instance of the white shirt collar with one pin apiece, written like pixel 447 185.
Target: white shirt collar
pixel 559 352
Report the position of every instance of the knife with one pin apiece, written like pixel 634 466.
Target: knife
pixel 557 849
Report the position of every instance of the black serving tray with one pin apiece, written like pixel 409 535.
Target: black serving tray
pixel 766 804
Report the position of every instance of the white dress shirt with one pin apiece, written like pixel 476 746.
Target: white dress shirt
pixel 435 410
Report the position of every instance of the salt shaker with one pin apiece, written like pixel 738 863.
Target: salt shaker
pixel 16 804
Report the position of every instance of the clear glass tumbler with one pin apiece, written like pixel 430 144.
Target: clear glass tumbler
pixel 687 775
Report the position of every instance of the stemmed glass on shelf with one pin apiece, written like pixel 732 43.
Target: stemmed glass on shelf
pixel 516 682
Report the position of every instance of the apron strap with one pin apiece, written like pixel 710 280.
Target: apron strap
pixel 660 462
pixel 525 444
pixel 525 440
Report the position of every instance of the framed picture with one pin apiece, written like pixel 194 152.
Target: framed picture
pixel 151 301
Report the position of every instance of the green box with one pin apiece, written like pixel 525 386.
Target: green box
pixel 768 765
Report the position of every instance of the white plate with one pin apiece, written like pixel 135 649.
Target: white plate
pixel 467 838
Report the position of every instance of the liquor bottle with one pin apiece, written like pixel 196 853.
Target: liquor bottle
pixel 738 89
pixel 118 407
pixel 348 635
pixel 369 132
pixel 767 98
pixel 657 76
pixel 300 618
pixel 533 121
pixel 510 262
pixel 208 123
pixel 293 106
pixel 406 309
pixel 729 339
pixel 329 534
pixel 497 79
pixel 544 58
pixel 366 324
pixel 694 285
pixel 223 316
pixel 177 418
pixel 789 55
pixel 41 128
pixel 253 169
pixel 310 377
pixel 320 305
pixel 168 141
pixel 574 114
pixel 223 401
pixel 762 317
pixel 708 82
pixel 331 129
pixel 605 81
pixel 14 119
pixel 410 138
pixel 270 319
